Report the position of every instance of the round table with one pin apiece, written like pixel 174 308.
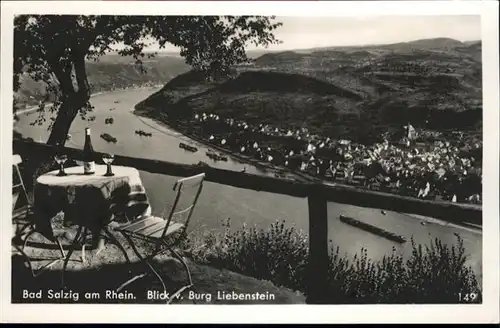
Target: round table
pixel 90 200
pixel 75 176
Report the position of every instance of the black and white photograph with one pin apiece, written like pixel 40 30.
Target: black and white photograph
pixel 161 157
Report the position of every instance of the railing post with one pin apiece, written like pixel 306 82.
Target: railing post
pixel 317 271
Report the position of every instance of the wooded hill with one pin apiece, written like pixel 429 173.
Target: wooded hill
pixel 343 91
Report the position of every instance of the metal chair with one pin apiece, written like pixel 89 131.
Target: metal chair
pixel 18 190
pixel 164 233
pixel 25 211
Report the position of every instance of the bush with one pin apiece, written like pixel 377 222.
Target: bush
pixel 434 273
pixel 278 254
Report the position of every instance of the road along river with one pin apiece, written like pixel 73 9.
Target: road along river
pixel 219 202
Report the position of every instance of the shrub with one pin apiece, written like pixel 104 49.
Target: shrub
pixel 434 273
pixel 278 254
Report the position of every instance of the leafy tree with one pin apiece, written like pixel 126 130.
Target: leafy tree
pixel 55 48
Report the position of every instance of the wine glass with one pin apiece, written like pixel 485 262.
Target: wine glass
pixel 61 159
pixel 108 159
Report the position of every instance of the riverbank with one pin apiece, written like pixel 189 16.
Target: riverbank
pixel 182 128
pixel 48 105
pixel 280 172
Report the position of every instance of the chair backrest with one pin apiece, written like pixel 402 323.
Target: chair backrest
pixel 18 186
pixel 193 183
pixel 16 159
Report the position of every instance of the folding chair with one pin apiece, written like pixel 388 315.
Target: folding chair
pixel 164 233
pixel 18 189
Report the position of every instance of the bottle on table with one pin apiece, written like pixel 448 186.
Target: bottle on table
pixel 88 154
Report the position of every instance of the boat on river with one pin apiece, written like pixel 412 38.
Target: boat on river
pixel 216 157
pixel 143 133
pixel 211 155
pixel 373 229
pixel 109 120
pixel 188 147
pixel 222 158
pixel 109 138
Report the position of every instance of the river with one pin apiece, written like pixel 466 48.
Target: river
pixel 219 202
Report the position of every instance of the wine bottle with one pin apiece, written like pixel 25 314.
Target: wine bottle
pixel 88 154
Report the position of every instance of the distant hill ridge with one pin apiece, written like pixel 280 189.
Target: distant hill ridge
pixel 343 90
pixel 421 44
pixel 110 72
pixel 331 89
pixel 427 44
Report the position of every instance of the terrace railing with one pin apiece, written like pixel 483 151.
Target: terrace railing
pixel 317 194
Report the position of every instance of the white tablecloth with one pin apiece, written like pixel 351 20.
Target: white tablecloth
pixel 90 200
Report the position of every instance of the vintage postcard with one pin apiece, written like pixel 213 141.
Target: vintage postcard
pixel 340 157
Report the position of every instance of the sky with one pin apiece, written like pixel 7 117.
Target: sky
pixel 311 32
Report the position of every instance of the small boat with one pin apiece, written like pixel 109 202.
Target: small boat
pixel 109 138
pixel 116 101
pixel 109 120
pixel 211 155
pixel 143 133
pixel 222 158
pixel 188 147
pixel 216 157
pixel 112 109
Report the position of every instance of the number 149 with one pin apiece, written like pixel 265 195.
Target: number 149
pixel 467 297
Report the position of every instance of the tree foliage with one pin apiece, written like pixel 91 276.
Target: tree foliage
pixel 55 48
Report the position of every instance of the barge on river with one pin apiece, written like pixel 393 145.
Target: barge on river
pixel 216 157
pixel 143 133
pixel 373 229
pixel 188 147
pixel 109 138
